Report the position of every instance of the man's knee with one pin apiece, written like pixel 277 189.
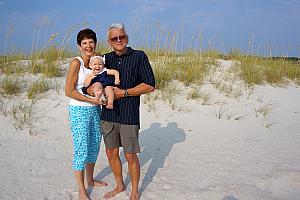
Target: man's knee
pixel 131 157
pixel 112 154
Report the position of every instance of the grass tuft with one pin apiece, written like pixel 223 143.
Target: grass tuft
pixel 22 114
pixel 37 87
pixel 257 70
pixel 11 85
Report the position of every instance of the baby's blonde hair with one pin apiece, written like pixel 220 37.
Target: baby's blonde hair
pixel 94 57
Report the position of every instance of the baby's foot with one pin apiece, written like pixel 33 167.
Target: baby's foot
pixel 103 98
pixel 110 106
pixel 97 97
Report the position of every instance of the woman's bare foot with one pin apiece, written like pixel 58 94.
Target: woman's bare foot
pixel 97 183
pixel 113 193
pixel 83 195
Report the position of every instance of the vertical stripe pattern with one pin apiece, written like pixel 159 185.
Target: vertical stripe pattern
pixel 134 69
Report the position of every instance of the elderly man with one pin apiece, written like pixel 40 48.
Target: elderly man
pixel 120 125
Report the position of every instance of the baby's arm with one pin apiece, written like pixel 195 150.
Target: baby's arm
pixel 116 74
pixel 88 79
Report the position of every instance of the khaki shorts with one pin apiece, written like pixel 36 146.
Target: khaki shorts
pixel 117 135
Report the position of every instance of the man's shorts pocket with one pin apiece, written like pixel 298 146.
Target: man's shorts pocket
pixel 106 127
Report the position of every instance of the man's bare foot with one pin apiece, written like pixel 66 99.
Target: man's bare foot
pixel 97 183
pixel 83 195
pixel 135 196
pixel 112 193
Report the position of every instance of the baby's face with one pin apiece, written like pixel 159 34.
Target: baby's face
pixel 97 65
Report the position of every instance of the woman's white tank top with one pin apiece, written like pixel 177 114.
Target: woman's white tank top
pixel 83 72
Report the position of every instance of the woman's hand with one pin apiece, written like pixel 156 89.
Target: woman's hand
pixel 97 102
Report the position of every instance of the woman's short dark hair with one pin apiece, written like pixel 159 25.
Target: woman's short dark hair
pixel 86 34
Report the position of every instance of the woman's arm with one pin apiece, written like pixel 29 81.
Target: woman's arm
pixel 116 74
pixel 71 81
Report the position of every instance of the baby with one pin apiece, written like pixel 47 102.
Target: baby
pixel 101 79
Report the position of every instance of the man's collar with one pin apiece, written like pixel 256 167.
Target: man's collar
pixel 129 50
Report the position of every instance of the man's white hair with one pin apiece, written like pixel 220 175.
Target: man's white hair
pixel 119 26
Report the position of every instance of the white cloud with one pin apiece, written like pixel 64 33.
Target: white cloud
pixel 144 10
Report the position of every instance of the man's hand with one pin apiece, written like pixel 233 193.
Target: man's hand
pixel 119 93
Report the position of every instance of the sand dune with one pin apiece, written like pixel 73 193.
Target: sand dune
pixel 187 151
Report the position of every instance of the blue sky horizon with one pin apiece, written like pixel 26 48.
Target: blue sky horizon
pixel 270 26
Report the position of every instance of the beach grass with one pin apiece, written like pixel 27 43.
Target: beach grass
pixel 47 61
pixel 38 87
pixel 256 70
pixel 22 114
pixel 192 73
pixel 191 66
pixel 11 85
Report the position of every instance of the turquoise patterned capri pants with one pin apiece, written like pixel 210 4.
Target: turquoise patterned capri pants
pixel 85 129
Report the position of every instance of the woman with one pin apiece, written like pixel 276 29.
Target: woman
pixel 84 113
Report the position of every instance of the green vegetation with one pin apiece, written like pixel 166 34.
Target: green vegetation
pixel 21 113
pixel 257 70
pixel 46 61
pixel 171 64
pixel 187 67
pixel 102 47
pixel 37 87
pixel 11 85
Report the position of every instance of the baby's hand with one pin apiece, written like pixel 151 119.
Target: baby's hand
pixel 89 79
pixel 91 75
pixel 117 82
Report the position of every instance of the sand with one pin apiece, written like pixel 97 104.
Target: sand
pixel 187 151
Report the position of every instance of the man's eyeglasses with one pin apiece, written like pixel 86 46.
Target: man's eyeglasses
pixel 118 38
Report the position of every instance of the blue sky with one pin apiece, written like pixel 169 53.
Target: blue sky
pixel 224 24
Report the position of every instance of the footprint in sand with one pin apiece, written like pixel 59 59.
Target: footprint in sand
pixel 151 196
pixel 166 187
pixel 66 195
pixel 287 185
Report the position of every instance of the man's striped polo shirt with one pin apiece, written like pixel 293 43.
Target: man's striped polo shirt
pixel 134 69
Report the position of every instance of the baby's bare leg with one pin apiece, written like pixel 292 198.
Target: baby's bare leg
pixel 98 89
pixel 110 96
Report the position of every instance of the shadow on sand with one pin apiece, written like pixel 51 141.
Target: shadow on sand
pixel 229 198
pixel 156 143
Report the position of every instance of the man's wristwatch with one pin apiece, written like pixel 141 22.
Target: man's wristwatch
pixel 126 93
